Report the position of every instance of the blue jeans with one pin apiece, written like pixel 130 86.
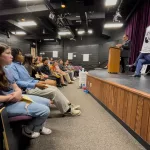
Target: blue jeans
pixel 39 110
pixel 143 58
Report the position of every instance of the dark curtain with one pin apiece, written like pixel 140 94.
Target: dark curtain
pixel 136 28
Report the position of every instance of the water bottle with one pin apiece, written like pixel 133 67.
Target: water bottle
pixel 82 69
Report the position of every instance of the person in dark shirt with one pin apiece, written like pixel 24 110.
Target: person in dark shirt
pixel 125 51
pixel 63 68
pixel 35 70
pixel 46 70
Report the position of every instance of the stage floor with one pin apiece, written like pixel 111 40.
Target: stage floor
pixel 141 84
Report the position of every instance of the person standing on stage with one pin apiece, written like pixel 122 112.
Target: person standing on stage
pixel 125 51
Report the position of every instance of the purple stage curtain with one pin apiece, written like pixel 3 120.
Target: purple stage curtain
pixel 136 28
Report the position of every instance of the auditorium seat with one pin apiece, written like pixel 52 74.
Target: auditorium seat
pixel 6 132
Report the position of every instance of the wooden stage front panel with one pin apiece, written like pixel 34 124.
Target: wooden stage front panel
pixel 130 105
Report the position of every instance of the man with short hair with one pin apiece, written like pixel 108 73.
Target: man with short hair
pixel 125 51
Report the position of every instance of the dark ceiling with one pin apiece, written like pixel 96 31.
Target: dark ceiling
pixel 78 14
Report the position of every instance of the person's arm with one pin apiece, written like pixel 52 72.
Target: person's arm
pixel 13 97
pixel 22 84
pixel 126 46
pixel 17 94
pixel 5 98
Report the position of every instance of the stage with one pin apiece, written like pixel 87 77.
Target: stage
pixel 126 98
pixel 141 84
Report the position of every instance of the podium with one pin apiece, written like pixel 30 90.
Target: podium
pixel 114 60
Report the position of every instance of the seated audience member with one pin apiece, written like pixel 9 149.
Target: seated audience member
pixel 70 67
pixel 51 60
pixel 33 70
pixel 45 69
pixel 39 88
pixel 125 51
pixel 143 58
pixel 53 70
pixel 56 69
pixel 40 61
pixel 11 96
pixel 63 68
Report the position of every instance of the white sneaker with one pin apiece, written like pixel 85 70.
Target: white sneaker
pixel 71 82
pixel 75 112
pixel 45 131
pixel 76 107
pixel 74 78
pixel 31 134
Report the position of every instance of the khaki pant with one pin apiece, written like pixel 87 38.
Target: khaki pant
pixel 54 94
pixel 67 77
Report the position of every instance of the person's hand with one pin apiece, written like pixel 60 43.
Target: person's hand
pixel 15 96
pixel 45 76
pixel 9 98
pixel 42 77
pixel 119 45
pixel 41 86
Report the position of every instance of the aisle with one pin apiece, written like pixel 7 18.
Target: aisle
pixel 95 129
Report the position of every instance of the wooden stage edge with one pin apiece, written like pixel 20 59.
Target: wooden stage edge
pixel 130 106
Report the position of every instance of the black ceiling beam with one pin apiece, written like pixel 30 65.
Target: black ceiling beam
pixel 27 37
pixel 37 10
pixel 17 25
pixel 45 25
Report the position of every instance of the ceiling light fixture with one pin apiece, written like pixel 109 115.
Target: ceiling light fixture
pixel 90 31
pixel 113 25
pixel 29 0
pixel 110 2
pixel 78 16
pixel 49 39
pixel 78 21
pixel 81 32
pixel 27 23
pixel 63 33
pixel 18 32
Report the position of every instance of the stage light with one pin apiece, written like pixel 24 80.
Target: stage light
pixel 63 5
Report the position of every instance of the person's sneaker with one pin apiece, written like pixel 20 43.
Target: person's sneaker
pixel 73 112
pixel 45 131
pixel 74 78
pixel 135 75
pixel 31 134
pixel 130 65
pixel 71 82
pixel 76 107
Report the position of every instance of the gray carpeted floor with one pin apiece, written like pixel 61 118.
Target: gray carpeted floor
pixel 95 129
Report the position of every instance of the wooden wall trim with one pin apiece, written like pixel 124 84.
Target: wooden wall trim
pixel 130 105
pixel 140 93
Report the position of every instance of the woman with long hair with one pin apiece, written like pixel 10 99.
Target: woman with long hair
pixel 35 70
pixel 11 96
